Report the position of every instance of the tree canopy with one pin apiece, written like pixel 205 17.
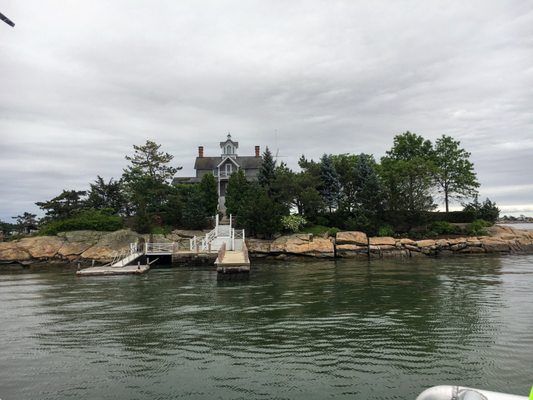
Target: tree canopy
pixel 406 171
pixel 346 191
pixel 453 172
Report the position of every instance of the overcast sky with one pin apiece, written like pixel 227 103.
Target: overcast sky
pixel 82 81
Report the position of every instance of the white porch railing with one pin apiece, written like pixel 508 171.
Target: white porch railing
pixel 163 248
pixel 214 239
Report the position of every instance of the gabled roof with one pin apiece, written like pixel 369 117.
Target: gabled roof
pixel 227 158
pixel 236 144
pixel 211 163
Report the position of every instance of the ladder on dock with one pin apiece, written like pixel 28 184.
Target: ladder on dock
pixel 127 259
pixel 122 264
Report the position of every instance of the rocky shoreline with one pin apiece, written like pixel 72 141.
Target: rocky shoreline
pixel 499 240
pixel 82 247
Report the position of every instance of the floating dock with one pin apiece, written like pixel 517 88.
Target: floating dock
pixel 233 262
pixel 224 243
pixel 112 270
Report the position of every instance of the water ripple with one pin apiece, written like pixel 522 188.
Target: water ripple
pixel 293 331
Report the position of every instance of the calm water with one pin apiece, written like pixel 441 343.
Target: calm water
pixel 345 330
pixel 526 225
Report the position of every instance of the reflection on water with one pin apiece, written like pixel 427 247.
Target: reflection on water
pixel 350 329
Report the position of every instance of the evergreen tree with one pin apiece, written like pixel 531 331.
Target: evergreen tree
pixel 194 212
pixel 6 228
pixel 65 205
pixel 486 210
pixel 267 170
pixel 147 179
pixel 453 172
pixel 142 218
pixel 209 192
pixel 330 185
pixel 107 195
pixel 369 197
pixel 148 160
pixel 26 222
pixel 258 213
pixel 489 211
pixel 235 191
pixel 346 166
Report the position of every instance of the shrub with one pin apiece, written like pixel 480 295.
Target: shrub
pixel 293 222
pixel 452 216
pixel 478 227
pixel 317 230
pixel 385 230
pixel 96 220
pixel 444 228
pixel 333 232
pixel 321 220
pixel 161 230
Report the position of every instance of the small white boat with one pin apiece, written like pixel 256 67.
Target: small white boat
pixel 445 392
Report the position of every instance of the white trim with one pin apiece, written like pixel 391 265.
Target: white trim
pixel 228 158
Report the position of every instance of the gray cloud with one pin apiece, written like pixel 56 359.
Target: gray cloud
pixel 83 81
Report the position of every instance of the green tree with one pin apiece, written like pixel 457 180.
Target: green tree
pixel 237 187
pixel 330 185
pixel 368 194
pixel 453 172
pixel 346 167
pixel 309 166
pixel 367 185
pixel 297 190
pixel 252 207
pixel 147 181
pixel 283 186
pixel 26 222
pixel 259 214
pixel 266 171
pixel 148 160
pixel 107 195
pixel 65 205
pixel 6 227
pixel 194 211
pixel 143 223
pixel 209 192
pixel 488 210
pixel 406 172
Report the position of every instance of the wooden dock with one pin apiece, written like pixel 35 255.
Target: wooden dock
pixel 233 262
pixel 111 270
pixel 198 249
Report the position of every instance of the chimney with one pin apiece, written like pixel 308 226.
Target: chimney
pixel 200 151
pixel 257 151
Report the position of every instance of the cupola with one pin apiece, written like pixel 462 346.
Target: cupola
pixel 229 147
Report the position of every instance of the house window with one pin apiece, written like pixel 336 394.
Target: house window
pixel 229 169
pixel 229 149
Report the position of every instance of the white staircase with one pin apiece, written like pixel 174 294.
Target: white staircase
pixel 221 234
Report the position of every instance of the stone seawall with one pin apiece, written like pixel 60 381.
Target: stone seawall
pixel 85 246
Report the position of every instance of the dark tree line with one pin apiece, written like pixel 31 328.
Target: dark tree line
pixel 354 191
pixel 346 191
